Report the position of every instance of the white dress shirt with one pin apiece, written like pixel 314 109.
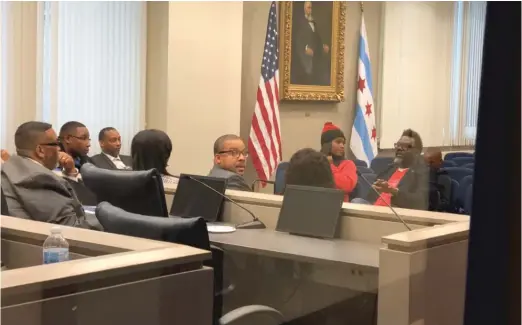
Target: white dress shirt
pixel 116 161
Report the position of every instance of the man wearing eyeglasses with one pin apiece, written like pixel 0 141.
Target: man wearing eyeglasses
pixel 32 190
pixel 405 183
pixel 76 141
pixel 230 161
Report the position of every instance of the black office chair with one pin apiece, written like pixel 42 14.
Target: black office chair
pixel 84 194
pixel 138 192
pixel 5 209
pixel 187 231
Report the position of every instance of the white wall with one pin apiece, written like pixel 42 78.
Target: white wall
pixel 157 63
pixel 204 80
pixel 416 71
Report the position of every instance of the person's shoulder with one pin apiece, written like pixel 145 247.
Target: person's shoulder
pixel 237 182
pixel 420 167
pixel 28 173
pixel 97 157
pixel 127 160
pixel 347 163
pixel 217 171
pixel 22 166
pixel 236 177
pixel 86 159
pixel 98 160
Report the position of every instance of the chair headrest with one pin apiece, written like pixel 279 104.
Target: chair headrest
pixel 121 180
pixel 188 231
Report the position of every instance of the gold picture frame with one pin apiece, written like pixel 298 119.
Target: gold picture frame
pixel 302 80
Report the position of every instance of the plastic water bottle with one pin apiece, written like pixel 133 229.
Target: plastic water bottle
pixel 55 247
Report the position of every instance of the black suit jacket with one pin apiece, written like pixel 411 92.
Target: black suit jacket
pixel 102 161
pixel 440 199
pixel 79 161
pixel 305 69
pixel 413 188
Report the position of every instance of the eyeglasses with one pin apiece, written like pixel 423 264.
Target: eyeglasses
pixel 235 153
pixel 81 138
pixel 403 146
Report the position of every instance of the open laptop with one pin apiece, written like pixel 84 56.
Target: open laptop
pixel 193 199
pixel 310 211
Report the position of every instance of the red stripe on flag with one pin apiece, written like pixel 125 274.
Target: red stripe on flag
pixel 276 89
pixel 275 118
pixel 278 133
pixel 256 161
pixel 269 126
pixel 262 143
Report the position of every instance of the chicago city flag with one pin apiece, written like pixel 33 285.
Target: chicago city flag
pixel 363 141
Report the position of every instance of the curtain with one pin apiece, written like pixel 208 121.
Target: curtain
pixel 94 66
pixel 430 75
pixel 467 68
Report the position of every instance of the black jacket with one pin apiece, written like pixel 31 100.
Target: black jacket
pixel 102 161
pixel 439 193
pixel 413 188
pixel 81 160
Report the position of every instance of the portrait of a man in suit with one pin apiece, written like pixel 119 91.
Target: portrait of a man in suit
pixel 311 41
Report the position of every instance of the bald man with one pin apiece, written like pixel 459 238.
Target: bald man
pixel 433 158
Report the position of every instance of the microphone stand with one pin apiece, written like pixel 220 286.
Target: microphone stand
pixel 254 224
pixel 380 196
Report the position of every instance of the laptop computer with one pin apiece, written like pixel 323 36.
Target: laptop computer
pixel 193 199
pixel 310 211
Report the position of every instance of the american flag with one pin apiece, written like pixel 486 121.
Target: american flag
pixel 264 143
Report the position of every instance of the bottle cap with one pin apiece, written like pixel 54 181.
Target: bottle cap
pixel 56 230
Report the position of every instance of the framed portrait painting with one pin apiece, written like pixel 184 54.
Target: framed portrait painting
pixel 312 50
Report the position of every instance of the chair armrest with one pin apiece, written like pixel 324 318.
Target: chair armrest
pixel 248 314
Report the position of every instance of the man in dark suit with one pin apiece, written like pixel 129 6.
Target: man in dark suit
pixel 32 190
pixel 229 161
pixel 309 52
pixel 110 144
pixel 438 189
pixel 405 183
pixel 76 141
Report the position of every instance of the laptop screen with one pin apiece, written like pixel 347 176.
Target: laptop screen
pixel 310 211
pixel 193 199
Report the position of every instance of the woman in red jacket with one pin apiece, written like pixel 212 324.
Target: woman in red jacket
pixel 343 170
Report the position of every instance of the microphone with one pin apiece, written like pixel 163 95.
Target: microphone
pixel 254 224
pixel 380 196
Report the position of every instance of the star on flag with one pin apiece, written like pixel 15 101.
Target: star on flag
pixel 368 108
pixel 360 83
